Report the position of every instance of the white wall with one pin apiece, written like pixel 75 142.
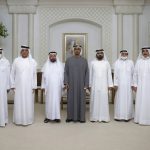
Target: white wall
pixel 114 38
pixel 128 34
pixel 22 30
pixel 93 40
pixel 145 27
pixel 86 18
pixel 95 34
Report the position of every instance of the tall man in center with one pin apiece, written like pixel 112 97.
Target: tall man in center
pixel 76 81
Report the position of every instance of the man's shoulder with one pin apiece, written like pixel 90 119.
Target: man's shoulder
pixel 130 60
pixel 33 61
pixel 83 58
pixel 70 58
pixel 16 59
pixel 93 61
pixel 5 59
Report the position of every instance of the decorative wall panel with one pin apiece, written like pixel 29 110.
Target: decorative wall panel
pixel 49 16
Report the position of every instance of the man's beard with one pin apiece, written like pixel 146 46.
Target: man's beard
pixel 99 57
pixel 123 58
pixel 53 60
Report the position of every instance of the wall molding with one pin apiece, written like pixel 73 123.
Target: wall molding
pixel 129 9
pixel 50 16
pixel 22 7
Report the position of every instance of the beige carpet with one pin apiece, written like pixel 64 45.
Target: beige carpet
pixel 74 136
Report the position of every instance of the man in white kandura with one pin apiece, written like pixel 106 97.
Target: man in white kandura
pixel 142 87
pixel 100 83
pixel 4 87
pixel 123 84
pixel 52 84
pixel 24 82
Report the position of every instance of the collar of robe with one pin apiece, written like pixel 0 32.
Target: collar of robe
pixel 145 58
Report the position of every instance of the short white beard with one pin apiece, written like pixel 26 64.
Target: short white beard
pixel 123 58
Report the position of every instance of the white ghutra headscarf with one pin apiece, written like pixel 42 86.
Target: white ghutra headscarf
pixel 102 50
pixel 46 70
pixel 140 53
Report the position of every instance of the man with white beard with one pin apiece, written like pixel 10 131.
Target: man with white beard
pixel 4 87
pixel 100 83
pixel 142 87
pixel 52 84
pixel 123 84
pixel 24 82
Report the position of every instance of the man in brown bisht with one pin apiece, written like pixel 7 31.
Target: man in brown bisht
pixel 76 81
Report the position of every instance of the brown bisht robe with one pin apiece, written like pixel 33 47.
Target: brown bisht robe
pixel 77 77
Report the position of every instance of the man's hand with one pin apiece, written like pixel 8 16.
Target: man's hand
pixel 13 89
pixel 89 88
pixel 33 90
pixel 116 88
pixel 66 86
pixel 43 90
pixel 134 88
pixel 86 88
pixel 110 88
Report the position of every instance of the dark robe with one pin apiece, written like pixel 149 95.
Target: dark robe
pixel 77 77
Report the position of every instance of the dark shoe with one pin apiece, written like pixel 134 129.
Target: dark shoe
pixel 104 121
pixel 46 120
pixel 82 121
pixel 92 121
pixel 127 120
pixel 117 120
pixel 68 120
pixel 57 120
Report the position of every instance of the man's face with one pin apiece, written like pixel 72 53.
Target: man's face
pixel 24 53
pixel 77 51
pixel 124 55
pixel 100 55
pixel 52 57
pixel 145 53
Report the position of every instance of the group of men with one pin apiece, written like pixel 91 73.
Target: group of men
pixel 76 78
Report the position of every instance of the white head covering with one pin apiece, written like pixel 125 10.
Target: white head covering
pixel 48 63
pixel 49 67
pixel 102 50
pixel 25 47
pixel 140 53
